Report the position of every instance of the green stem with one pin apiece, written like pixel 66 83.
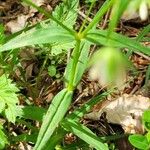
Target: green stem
pixel 98 16
pixel 85 20
pixel 76 54
pixel 114 137
pixel 48 15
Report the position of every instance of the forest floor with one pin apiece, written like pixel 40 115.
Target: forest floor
pixel 39 87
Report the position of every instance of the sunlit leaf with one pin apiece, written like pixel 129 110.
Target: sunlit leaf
pixel 85 134
pixel 52 34
pixel 8 98
pixel 139 141
pixel 3 138
pixel 117 40
pixel 54 115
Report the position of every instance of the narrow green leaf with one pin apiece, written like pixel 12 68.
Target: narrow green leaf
pixel 80 112
pixel 144 32
pixel 56 138
pixel 147 77
pixel 54 115
pixel 52 34
pixel 117 40
pixel 117 10
pixel 2 35
pixel 85 134
pixel 139 141
pixel 25 137
pixel 98 17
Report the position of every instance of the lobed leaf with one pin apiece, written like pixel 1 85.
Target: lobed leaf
pixel 66 12
pixel 8 98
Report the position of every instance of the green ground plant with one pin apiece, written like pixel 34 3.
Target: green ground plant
pixel 58 32
pixel 142 141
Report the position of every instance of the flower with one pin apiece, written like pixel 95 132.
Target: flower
pixel 137 8
pixel 108 66
pixel 143 10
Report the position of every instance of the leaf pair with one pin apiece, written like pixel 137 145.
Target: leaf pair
pixel 70 123
pixel 54 115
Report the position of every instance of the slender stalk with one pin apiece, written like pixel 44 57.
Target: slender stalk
pixel 76 54
pixel 48 15
pixel 41 69
pixel 114 137
pixel 98 16
pixel 85 20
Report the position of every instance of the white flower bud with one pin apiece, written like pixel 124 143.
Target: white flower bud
pixel 108 67
pixel 143 11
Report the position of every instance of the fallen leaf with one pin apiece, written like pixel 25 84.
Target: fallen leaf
pixel 126 110
pixel 18 24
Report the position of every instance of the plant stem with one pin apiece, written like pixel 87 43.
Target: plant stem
pixel 98 16
pixel 41 69
pixel 76 54
pixel 114 137
pixel 48 15
pixel 85 20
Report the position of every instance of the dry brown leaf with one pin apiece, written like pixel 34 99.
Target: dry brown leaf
pixel 125 110
pixel 21 21
pixel 18 24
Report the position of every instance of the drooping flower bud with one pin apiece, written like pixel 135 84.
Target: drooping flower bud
pixel 143 11
pixel 108 66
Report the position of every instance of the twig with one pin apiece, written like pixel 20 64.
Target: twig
pixel 84 16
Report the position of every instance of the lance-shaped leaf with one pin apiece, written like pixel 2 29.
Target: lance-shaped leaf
pixel 84 133
pixel 80 112
pixel 52 34
pixel 117 40
pixel 55 114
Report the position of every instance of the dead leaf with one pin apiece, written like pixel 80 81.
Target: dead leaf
pixel 125 110
pixel 17 25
